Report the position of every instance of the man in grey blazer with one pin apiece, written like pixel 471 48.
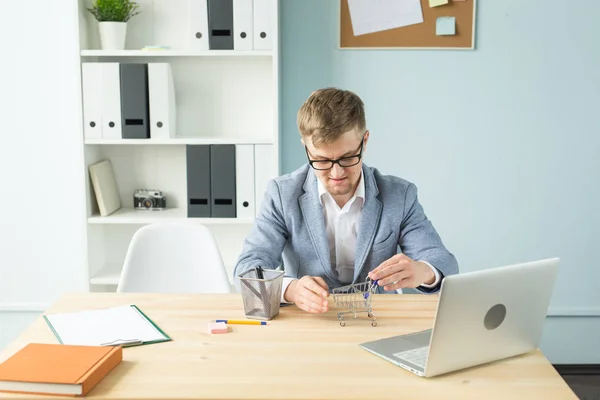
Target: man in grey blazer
pixel 336 221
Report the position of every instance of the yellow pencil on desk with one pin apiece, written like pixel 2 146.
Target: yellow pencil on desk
pixel 241 322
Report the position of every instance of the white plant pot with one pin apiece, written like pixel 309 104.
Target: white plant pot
pixel 112 35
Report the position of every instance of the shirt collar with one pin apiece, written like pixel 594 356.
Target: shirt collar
pixel 359 193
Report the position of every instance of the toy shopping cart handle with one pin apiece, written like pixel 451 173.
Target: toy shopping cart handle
pixel 368 293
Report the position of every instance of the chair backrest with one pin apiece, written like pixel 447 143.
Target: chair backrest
pixel 174 258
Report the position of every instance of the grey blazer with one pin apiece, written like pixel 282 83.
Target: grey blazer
pixel 290 227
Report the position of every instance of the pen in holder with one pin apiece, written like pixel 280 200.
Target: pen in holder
pixel 261 292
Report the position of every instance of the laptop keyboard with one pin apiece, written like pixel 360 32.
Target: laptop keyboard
pixel 416 357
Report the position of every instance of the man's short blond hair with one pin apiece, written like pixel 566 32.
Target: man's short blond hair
pixel 329 113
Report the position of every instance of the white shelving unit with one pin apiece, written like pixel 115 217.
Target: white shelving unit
pixel 132 216
pixel 109 275
pixel 222 97
pixel 179 141
pixel 175 53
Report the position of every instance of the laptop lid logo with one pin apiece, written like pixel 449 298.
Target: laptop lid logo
pixel 494 317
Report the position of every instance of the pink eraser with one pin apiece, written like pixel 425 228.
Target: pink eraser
pixel 217 327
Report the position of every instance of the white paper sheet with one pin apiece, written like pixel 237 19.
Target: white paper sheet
pixel 102 327
pixel 370 16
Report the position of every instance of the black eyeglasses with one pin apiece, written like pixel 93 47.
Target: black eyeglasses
pixel 342 162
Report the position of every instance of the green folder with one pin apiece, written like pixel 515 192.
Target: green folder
pixel 122 325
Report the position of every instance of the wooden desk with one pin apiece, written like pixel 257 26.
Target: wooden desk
pixel 297 356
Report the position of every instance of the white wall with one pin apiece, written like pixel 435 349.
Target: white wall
pixel 42 181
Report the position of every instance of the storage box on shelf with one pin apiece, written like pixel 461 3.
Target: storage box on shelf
pixel 216 100
pixel 149 111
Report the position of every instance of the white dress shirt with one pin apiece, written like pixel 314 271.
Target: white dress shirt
pixel 341 228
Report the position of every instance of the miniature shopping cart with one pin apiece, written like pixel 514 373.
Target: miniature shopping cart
pixel 356 298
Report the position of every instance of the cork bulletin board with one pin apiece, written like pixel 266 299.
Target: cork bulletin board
pixel 431 33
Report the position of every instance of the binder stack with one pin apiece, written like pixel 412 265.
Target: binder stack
pixel 212 179
pixel 128 101
pixel 231 24
pixel 227 181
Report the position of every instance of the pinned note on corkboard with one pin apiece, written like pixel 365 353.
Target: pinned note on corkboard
pixel 409 24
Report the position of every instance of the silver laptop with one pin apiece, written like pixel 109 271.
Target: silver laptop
pixel 482 316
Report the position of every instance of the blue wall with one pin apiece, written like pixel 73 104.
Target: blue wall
pixel 503 142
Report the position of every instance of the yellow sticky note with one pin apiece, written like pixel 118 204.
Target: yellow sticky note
pixel 435 3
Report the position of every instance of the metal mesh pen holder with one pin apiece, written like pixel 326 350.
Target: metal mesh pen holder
pixel 261 292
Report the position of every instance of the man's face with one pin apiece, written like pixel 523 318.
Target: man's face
pixel 340 182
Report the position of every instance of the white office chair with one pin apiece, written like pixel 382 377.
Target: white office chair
pixel 174 258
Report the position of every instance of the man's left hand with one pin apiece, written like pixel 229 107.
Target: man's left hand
pixel 401 271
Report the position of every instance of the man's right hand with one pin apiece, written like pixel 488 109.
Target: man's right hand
pixel 309 293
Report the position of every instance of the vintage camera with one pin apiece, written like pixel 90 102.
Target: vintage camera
pixel 149 199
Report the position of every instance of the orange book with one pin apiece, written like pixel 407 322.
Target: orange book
pixel 58 369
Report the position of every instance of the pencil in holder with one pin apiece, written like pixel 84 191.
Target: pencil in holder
pixel 261 292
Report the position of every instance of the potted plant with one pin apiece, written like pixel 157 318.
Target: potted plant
pixel 112 17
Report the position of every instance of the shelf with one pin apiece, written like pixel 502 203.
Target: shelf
pixel 111 274
pixel 131 216
pixel 175 53
pixel 177 141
